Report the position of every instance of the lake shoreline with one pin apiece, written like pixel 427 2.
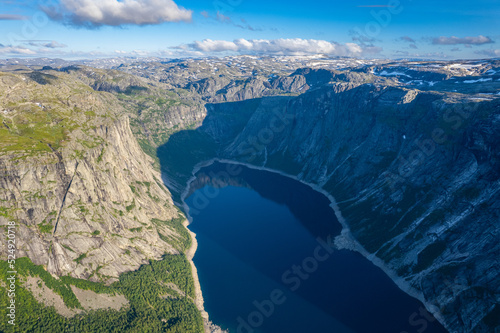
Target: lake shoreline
pixel 208 326
pixel 344 241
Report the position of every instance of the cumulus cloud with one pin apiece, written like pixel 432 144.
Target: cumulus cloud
pixel 293 46
pixel 479 40
pixel 96 13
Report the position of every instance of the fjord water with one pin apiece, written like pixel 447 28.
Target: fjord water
pixel 265 262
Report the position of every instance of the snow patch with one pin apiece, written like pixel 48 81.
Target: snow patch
pixel 385 73
pixel 478 80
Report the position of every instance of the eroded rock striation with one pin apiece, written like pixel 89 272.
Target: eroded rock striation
pixel 415 174
pixel 85 204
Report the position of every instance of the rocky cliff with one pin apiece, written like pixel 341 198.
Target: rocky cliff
pixel 99 244
pixel 84 195
pixel 88 216
pixel 415 174
pixel 416 178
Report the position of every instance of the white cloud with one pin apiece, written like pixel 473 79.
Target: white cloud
pixel 293 46
pixel 51 45
pixel 11 17
pixel 209 45
pixel 16 50
pixel 95 13
pixel 55 45
pixel 479 40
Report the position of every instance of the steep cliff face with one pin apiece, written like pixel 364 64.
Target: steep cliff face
pixel 88 210
pixel 415 175
pixel 87 204
pixel 223 89
pixel 91 216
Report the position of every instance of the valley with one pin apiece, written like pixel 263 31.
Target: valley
pixel 95 160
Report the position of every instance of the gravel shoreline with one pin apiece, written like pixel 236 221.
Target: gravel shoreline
pixel 208 326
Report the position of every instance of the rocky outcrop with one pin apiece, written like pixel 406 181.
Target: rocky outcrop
pixel 221 89
pixel 84 196
pixel 90 217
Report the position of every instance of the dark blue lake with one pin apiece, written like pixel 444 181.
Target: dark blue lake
pixel 266 263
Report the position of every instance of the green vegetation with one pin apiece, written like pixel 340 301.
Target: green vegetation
pixel 83 209
pixel 46 225
pixel 45 228
pixel 131 206
pixel 95 233
pixel 284 161
pixel 133 189
pixel 200 147
pixel 373 229
pixel 428 255
pixel 148 311
pixel 33 131
pixel 6 212
pixel 468 192
pixel 42 78
pixel 183 241
pixel 149 149
pixel 41 122
pixel 80 257
pixel 99 159
pixel 68 248
pixel 25 267
pixel 133 90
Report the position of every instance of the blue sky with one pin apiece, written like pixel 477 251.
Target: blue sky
pixel 178 28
